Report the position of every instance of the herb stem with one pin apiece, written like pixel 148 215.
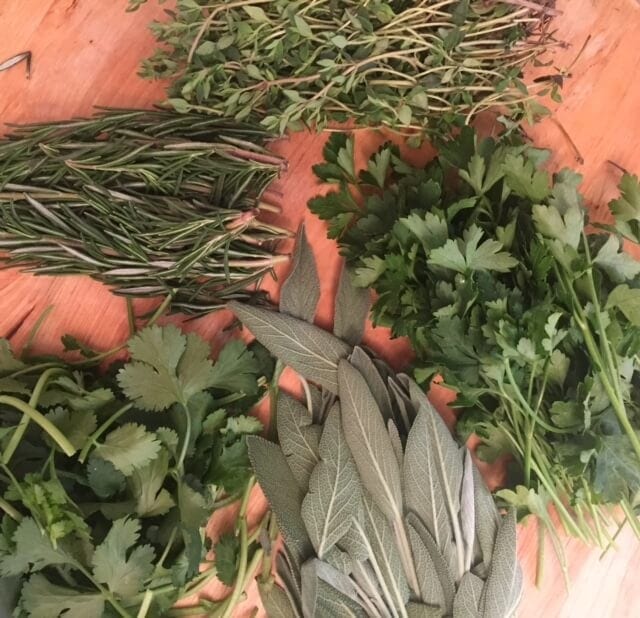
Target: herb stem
pixel 97 434
pixel 18 434
pixel 10 510
pixel 54 433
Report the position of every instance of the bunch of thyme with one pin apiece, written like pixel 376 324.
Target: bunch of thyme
pixel 409 65
pixel 149 202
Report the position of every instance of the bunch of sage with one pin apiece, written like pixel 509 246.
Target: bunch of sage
pixel 405 64
pixel 382 512
pixel 152 203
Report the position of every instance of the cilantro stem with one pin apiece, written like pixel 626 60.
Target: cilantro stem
pixel 54 433
pixel 95 436
pixel 10 510
pixel 103 591
pixel 18 434
pixel 187 439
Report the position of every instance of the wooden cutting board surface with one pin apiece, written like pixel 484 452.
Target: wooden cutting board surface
pixel 86 53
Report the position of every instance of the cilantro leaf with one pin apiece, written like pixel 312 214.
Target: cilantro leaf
pixel 166 367
pixel 122 569
pixel 103 478
pixel 146 486
pixel 617 474
pixel 227 551
pixel 42 599
pixel 129 447
pixel 236 370
pixel 75 425
pixel 627 300
pixel 33 551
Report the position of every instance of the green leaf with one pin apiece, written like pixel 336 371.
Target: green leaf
pixel 146 487
pixel 33 551
pixel 41 599
pixel 617 474
pixel 300 292
pixel 626 209
pixel 619 265
pixel 334 496
pixel 8 362
pixel 119 565
pixel 129 447
pixel 369 442
pixel 166 367
pixel 430 229
pixel 227 553
pixel 276 602
pixel 430 587
pixel 303 27
pixel 298 437
pixel 236 370
pixel 256 13
pixel 104 479
pixel 282 492
pixel 373 267
pixel 351 308
pixel 627 300
pixel 523 178
pixel 311 351
pixel 77 426
pixel 467 600
pixel 567 227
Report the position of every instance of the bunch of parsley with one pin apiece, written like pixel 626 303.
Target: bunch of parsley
pixel 108 479
pixel 526 309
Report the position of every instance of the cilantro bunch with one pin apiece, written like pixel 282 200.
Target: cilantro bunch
pixel 108 480
pixel 528 311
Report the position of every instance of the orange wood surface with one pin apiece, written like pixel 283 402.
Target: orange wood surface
pixel 86 53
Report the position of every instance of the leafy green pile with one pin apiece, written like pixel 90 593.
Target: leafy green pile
pixel 108 479
pixel 381 511
pixel 149 202
pixel 505 288
pixel 400 63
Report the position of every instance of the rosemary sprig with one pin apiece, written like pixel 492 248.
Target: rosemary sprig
pixel 406 64
pixel 149 202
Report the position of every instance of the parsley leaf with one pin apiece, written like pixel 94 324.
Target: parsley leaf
pixel 227 553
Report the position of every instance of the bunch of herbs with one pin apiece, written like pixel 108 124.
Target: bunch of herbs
pixel 402 64
pixel 149 202
pixel 108 479
pixel 488 265
pixel 381 511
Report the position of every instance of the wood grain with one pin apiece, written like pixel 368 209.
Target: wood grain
pixel 86 53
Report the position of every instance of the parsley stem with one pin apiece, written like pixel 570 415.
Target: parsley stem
pixel 54 433
pixel 18 434
pixel 95 436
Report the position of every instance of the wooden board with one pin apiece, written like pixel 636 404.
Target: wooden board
pixel 86 53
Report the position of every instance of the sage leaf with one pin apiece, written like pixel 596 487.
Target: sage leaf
pixel 321 599
pixel 282 492
pixel 396 443
pixel 419 610
pixel 377 535
pixel 299 438
pixel 443 571
pixel 467 509
pixel 361 361
pixel 276 603
pixel 300 292
pixel 500 586
pixel 425 493
pixel 369 441
pixel 334 497
pixel 430 587
pixel 309 350
pixel 467 600
pixel 487 517
pixel 352 309
pixel 365 577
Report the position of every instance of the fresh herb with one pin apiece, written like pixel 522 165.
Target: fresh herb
pixel 108 480
pixel 382 513
pixel 490 268
pixel 149 202
pixel 407 65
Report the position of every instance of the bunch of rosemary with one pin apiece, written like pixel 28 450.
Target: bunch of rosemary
pixel 410 65
pixel 149 202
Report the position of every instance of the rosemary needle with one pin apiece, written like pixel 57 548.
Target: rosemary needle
pixel 149 202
